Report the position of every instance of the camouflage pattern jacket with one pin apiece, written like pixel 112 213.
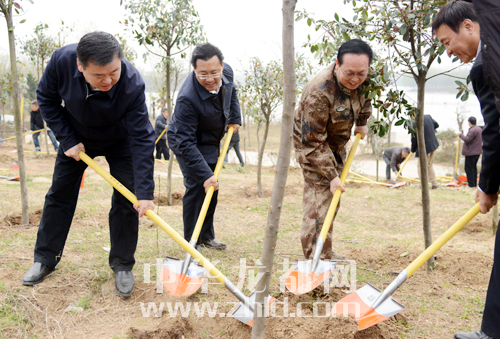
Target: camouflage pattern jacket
pixel 323 122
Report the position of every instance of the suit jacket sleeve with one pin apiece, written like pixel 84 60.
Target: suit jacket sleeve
pixel 32 120
pixel 489 178
pixel 50 105
pixel 187 124
pixel 394 162
pixel 235 112
pixel 159 122
pixel 142 139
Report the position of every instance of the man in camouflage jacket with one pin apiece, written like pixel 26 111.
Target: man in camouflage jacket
pixel 331 103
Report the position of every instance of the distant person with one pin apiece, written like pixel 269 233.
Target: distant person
pixel 104 114
pixel 160 126
pixel 457 28
pixel 393 157
pixel 37 124
pixel 235 143
pixel 207 104
pixel 472 149
pixel 333 106
pixel 431 145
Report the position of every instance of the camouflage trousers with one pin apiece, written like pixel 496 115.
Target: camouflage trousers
pixel 316 201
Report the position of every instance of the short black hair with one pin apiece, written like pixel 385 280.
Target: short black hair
pixel 453 14
pixel 206 51
pixel 98 48
pixel 472 120
pixel 355 46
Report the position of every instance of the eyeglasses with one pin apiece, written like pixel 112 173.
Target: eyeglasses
pixel 352 75
pixel 208 76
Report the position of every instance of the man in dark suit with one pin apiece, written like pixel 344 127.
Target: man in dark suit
pixel 104 114
pixel 161 124
pixel 393 157
pixel 457 28
pixel 206 106
pixel 431 145
pixel 473 148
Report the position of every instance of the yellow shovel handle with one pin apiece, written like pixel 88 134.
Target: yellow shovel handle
pixel 403 166
pixel 336 196
pixel 160 135
pixel 211 189
pixel 38 130
pixel 153 216
pixel 436 245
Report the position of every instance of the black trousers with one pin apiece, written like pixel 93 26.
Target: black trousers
pixel 61 200
pixel 162 148
pixel 491 314
pixel 191 205
pixel 471 169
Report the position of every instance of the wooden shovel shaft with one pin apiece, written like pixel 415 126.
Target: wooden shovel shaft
pixel 211 189
pixel 153 216
pixel 336 196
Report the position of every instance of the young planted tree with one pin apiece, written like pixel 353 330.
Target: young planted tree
pixel 165 28
pixel 39 48
pixel 264 86
pixel 273 218
pixel 6 7
pixel 403 28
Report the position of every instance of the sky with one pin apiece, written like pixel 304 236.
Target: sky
pixel 241 29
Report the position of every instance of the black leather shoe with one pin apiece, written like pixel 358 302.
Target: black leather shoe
pixel 124 283
pixel 213 243
pixel 36 274
pixel 472 335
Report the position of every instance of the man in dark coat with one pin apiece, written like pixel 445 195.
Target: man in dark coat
pixel 431 145
pixel 235 143
pixel 36 123
pixel 206 106
pixel 160 126
pixel 472 149
pixel 104 114
pixel 457 28
pixel 393 157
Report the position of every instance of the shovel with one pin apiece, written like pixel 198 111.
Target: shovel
pixel 16 178
pixel 402 183
pixel 370 307
pixel 245 310
pixel 183 278
pixel 306 275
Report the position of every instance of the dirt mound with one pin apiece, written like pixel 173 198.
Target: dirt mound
pixel 8 158
pixel 15 219
pixel 162 200
pixel 172 328
pixel 476 226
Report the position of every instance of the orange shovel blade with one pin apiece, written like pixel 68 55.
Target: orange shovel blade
pixel 301 279
pixel 177 283
pixel 358 305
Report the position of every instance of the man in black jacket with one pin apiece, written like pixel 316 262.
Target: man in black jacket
pixel 36 123
pixel 457 28
pixel 104 114
pixel 431 145
pixel 160 126
pixel 206 106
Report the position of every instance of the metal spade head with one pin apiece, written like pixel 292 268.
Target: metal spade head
pixel 177 283
pixel 301 278
pixel 359 304
pixel 245 312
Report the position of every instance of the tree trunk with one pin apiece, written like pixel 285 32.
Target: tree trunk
pixel 282 166
pixel 494 211
pixel 17 117
pixel 261 154
pixel 424 176
pixel 169 107
pixel 46 137
pixel 248 131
